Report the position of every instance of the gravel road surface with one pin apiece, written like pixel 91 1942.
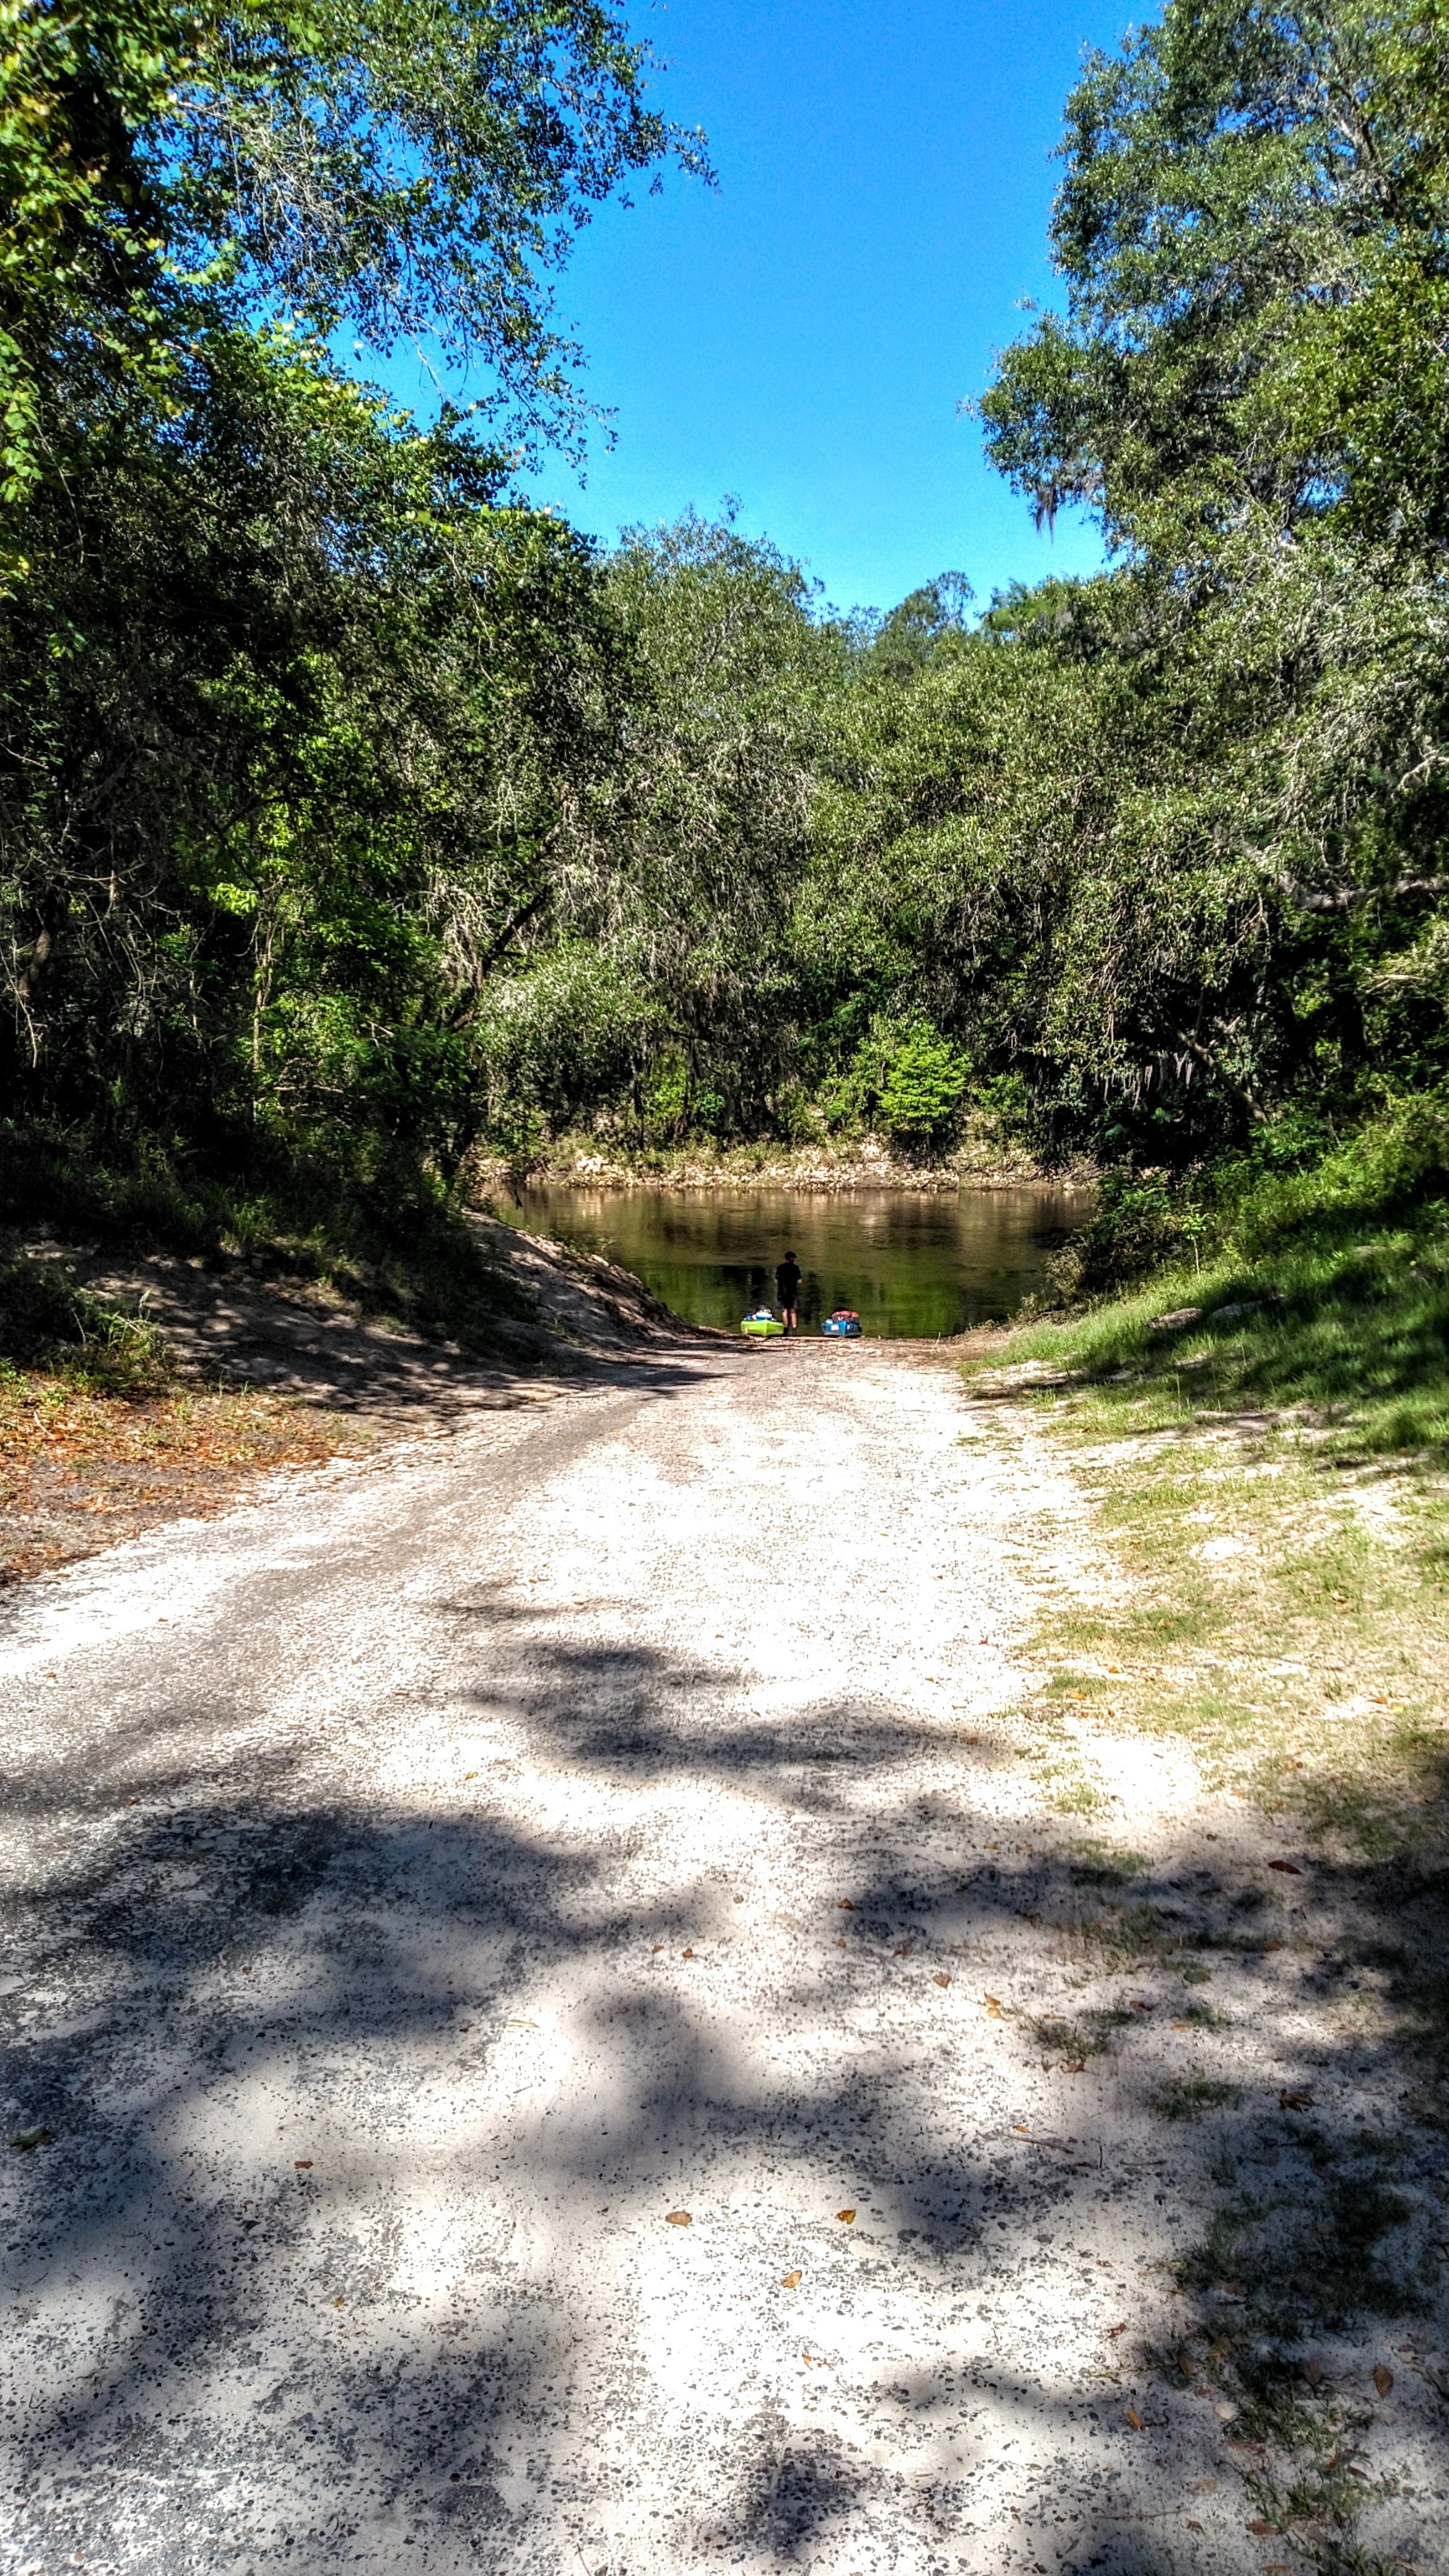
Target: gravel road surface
pixel 528 1957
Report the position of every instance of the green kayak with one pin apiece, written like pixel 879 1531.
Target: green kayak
pixel 763 1327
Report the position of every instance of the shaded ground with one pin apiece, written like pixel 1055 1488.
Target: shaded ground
pixel 556 2026
pixel 265 1375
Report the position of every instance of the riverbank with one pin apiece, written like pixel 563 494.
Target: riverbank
pixel 982 1163
pixel 141 1387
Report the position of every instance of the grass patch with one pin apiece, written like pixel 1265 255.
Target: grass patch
pixel 1265 1438
pixel 1065 2040
pixel 1277 1606
pixel 1126 1937
pixel 1187 2097
pixel 1100 1866
pixel 1313 2256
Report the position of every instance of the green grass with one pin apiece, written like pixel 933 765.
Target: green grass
pixel 1326 1297
pixel 88 1342
pixel 1264 1445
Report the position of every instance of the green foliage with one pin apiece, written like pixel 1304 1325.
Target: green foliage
pixel 48 1321
pixel 388 1235
pixel 1251 229
pixel 355 814
pixel 1321 1291
pixel 410 171
pixel 922 1091
pixel 902 643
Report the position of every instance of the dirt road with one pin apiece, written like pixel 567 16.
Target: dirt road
pixel 555 2005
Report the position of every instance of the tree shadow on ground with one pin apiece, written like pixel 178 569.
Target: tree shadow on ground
pixel 348 2240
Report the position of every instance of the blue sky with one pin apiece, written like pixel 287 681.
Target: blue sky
pixel 803 338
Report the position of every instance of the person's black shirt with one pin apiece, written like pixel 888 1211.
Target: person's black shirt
pixel 787 1282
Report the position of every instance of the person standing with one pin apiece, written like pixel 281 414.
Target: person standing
pixel 787 1289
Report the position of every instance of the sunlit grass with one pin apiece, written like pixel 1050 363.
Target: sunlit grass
pixel 1270 1528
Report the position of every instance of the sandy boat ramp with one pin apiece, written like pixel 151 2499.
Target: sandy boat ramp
pixel 531 1957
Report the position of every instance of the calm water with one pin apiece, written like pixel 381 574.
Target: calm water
pixel 912 1265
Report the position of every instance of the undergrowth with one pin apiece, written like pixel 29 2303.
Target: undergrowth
pixel 387 1235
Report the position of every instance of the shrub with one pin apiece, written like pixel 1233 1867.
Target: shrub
pixel 922 1092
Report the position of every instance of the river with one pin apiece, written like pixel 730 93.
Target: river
pixel 913 1264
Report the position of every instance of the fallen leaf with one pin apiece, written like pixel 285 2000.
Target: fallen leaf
pixel 686 1954
pixel 840 1945
pixel 940 1978
pixel 658 1946
pixel 470 1775
pixel 1180 2025
pixel 846 2217
pixel 1383 2378
pixel 1074 2065
pixel 1264 2530
pixel 1116 2330
pixel 1135 2420
pixel 1020 2129
pixel 903 1952
pixel 1289 1868
pixel 844 1906
pixel 993 2008
pixel 337 2303
pixel 790 2281
pixel 24 2139
pixel 1193 2526
pixel 302 2164
pixel 678 2218
pixel 1272 1945
pixel 1296 2097
pixel 1136 2004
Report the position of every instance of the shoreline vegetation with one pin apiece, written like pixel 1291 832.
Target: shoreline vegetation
pixel 372 834
pixel 979 1162
pixel 140 1384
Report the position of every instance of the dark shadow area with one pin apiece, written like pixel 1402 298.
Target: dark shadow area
pixel 336 2098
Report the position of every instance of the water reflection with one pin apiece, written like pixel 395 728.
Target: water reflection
pixel 913 1264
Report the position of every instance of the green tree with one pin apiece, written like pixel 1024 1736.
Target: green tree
pixel 922 1092
pixel 411 171
pixel 1253 231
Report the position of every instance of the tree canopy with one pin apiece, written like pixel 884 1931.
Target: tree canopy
pixel 353 806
